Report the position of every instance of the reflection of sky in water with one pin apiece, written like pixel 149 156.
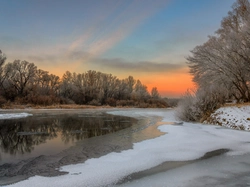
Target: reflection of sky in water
pixel 48 134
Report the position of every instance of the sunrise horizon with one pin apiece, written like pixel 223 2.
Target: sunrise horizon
pixel 147 40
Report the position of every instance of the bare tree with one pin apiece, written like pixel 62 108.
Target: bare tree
pixel 2 61
pixel 130 81
pixel 154 93
pixel 108 87
pixel 140 91
pixel 224 58
pixel 20 75
pixel 67 88
pixel 221 66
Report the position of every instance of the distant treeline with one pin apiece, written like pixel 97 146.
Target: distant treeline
pixel 221 66
pixel 22 82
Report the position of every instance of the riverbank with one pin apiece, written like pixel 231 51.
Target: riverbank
pixel 231 116
pixel 157 103
pixel 12 106
pixel 95 147
pixel 181 142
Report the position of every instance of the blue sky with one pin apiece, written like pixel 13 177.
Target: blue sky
pixel 122 37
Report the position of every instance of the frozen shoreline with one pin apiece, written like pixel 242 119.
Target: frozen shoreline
pixel 235 117
pixel 181 143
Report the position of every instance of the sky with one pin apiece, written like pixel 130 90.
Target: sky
pixel 147 39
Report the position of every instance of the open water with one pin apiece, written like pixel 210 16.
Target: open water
pixel 47 133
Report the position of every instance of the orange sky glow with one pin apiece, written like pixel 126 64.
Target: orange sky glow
pixel 170 85
pixel 173 85
pixel 148 40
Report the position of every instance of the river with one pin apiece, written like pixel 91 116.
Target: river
pixel 37 142
pixel 157 151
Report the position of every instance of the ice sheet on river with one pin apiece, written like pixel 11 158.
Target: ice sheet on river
pixel 14 115
pixel 182 142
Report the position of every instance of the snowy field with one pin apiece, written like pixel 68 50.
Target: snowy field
pixel 180 143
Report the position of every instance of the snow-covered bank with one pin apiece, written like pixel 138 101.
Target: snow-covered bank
pixel 182 142
pixel 235 117
pixel 14 115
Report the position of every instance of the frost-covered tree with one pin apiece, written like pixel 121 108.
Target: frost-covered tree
pixel 2 77
pixel 2 58
pixel 154 93
pixel 20 75
pixel 108 87
pixel 2 61
pixel 140 91
pixel 130 81
pixel 45 83
pixel 23 83
pixel 67 88
pixel 224 59
pixel 221 66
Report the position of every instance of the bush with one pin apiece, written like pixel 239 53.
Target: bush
pixel 143 105
pixel 44 100
pixel 157 103
pixel 125 103
pixel 94 102
pixel 2 101
pixel 187 110
pixel 198 105
pixel 172 102
pixel 64 100
pixel 111 102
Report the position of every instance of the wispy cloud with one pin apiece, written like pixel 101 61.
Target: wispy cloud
pixel 109 24
pixel 139 66
pixel 122 19
pixel 60 60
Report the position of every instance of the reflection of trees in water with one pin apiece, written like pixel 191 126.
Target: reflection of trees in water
pixel 12 142
pixel 75 129
pixel 22 135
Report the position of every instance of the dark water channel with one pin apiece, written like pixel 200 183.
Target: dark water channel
pixel 49 133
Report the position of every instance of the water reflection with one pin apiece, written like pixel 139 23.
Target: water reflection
pixel 19 136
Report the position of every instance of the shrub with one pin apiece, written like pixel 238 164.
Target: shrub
pixel 125 103
pixel 172 102
pixel 198 105
pixel 111 102
pixel 94 102
pixel 186 109
pixel 157 103
pixel 143 105
pixel 2 101
pixel 44 100
pixel 64 100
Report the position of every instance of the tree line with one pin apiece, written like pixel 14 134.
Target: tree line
pixel 221 66
pixel 23 83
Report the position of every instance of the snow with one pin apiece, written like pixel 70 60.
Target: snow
pixel 188 141
pixel 14 115
pixel 219 171
pixel 236 117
